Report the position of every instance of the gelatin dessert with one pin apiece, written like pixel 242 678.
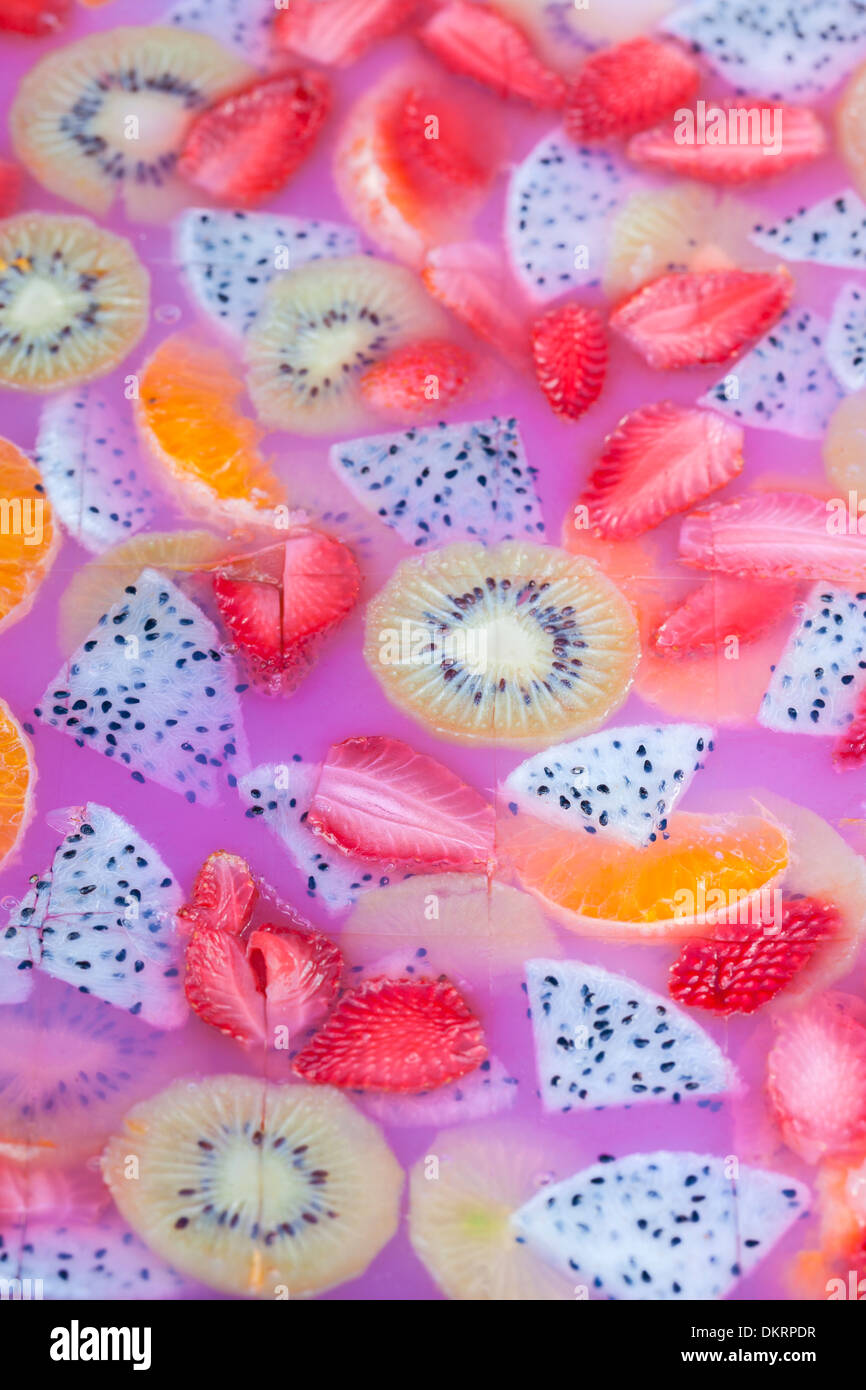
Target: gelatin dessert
pixel 432 650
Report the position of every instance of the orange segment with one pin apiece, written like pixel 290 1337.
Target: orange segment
pixel 97 585
pixel 707 865
pixel 188 414
pixel 17 780
pixel 28 538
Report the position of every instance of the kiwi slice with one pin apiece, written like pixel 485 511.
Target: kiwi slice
pixel 272 1191
pixel 74 301
pixel 462 1195
pixel 108 115
pixel 70 1066
pixel 321 327
pixel 516 644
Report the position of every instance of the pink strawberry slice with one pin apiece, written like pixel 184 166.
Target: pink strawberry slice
pixel 337 32
pixel 222 988
pixel 695 317
pixel 772 535
pixel 320 586
pixel 721 608
pixel 816 1078
pixel 248 982
pixel 378 799
pixel 476 41
pixel 659 460
pixel 299 972
pixel 223 895
pixel 404 1035
pixel 469 278
pixel 746 160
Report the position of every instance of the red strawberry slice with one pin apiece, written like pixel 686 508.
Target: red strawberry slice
pixel 693 317
pixel 10 187
pixel 251 611
pixel 773 535
pixel 395 1035
pixel 337 32
pixel 659 460
pixel 280 603
pixel 621 90
pixel 438 149
pixel 298 972
pixel 34 17
pixel 223 895
pixel 419 379
pixel 470 279
pixel 722 608
pixel 747 158
pixel 248 145
pixel 816 1078
pixel 478 42
pixel 570 352
pixel 849 750
pixel 747 965
pixel 378 799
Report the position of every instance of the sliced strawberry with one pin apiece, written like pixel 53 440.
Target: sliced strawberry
pixel 570 351
pixel 659 460
pixel 419 379
pixel 744 966
pixel 337 32
pixel 34 17
pixel 438 150
pixel 46 1193
pixel 722 608
pixel 408 164
pixel 248 145
pixel 320 586
pixel 693 317
pixel 280 603
pixel 395 1035
pixel 248 982
pixel 298 971
pixel 470 279
pixel 816 1078
pixel 10 187
pixel 849 750
pixel 222 988
pixel 749 159
pixel 478 42
pixel 378 799
pixel 251 612
pixel 223 895
pixel 773 535
pixel 621 90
